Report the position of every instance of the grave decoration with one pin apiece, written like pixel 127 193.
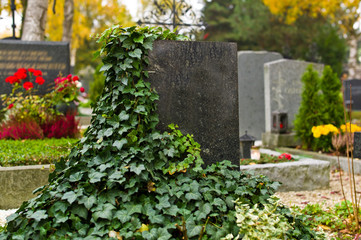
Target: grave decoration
pixel 127 180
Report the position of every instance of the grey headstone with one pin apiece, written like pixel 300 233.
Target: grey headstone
pixel 197 85
pixel 355 85
pixel 283 87
pixel 251 90
pixel 49 57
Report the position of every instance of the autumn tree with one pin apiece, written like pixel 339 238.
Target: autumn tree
pixel 251 24
pixel 89 17
pixel 342 12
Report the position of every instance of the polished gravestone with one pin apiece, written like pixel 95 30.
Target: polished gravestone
pixel 198 89
pixel 51 58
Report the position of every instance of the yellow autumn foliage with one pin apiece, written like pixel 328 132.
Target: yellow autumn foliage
pixel 340 10
pixel 90 17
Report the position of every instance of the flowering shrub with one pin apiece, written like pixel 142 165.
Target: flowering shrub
pixel 28 115
pixel 338 138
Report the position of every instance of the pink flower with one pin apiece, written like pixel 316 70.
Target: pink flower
pixel 69 76
pixel 39 80
pixel 82 89
pixel 11 105
pixel 28 85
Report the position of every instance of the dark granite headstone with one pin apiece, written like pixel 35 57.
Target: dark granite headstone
pixel 357 145
pixel 49 57
pixel 198 88
pixel 356 93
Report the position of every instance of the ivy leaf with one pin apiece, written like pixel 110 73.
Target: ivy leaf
pixel 105 213
pixel 76 177
pixel 105 67
pixel 108 132
pixel 95 177
pixel 133 208
pixel 193 196
pixel 139 39
pixel 163 202
pixel 38 215
pixel 69 196
pixel 173 210
pixel 88 201
pixel 137 169
pixel 123 116
pixel 122 215
pixel 81 211
pixel 169 152
pixel 120 143
pixel 137 53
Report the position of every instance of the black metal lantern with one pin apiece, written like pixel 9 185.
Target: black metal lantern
pixel 279 122
pixel 247 142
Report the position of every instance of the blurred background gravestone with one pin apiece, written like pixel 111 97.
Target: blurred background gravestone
pixel 49 57
pixel 251 90
pixel 198 89
pixel 356 93
pixel 283 89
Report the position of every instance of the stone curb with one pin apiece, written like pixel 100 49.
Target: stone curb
pixel 18 183
pixel 331 159
pixel 306 174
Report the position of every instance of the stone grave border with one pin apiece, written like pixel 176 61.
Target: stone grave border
pixel 306 174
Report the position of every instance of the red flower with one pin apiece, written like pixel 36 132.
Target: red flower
pixel 22 70
pixel 28 85
pixel 32 70
pixel 11 105
pixel 69 76
pixel 20 74
pixel 285 155
pixel 38 73
pixel 82 89
pixel 75 78
pixel 39 80
pixel 281 125
pixel 205 36
pixel 12 80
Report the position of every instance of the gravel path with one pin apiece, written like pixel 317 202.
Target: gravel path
pixel 328 197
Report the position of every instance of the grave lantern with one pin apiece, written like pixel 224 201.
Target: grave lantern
pixel 247 142
pixel 357 145
pixel 279 122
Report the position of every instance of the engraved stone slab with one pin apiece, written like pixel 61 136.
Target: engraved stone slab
pixel 283 87
pixel 251 90
pixel 49 57
pixel 198 89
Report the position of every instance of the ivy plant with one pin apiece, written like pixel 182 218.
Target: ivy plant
pixel 127 180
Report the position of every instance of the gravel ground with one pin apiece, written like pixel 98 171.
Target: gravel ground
pixel 328 197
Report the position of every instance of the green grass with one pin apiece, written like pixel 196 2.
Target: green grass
pixel 34 152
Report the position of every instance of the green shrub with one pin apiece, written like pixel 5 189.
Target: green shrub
pixel 127 180
pixel 34 151
pixel 321 104
pixel 309 113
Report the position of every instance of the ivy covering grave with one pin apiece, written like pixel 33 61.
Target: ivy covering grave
pixel 127 180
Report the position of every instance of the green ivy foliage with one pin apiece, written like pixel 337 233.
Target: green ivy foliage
pixel 127 180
